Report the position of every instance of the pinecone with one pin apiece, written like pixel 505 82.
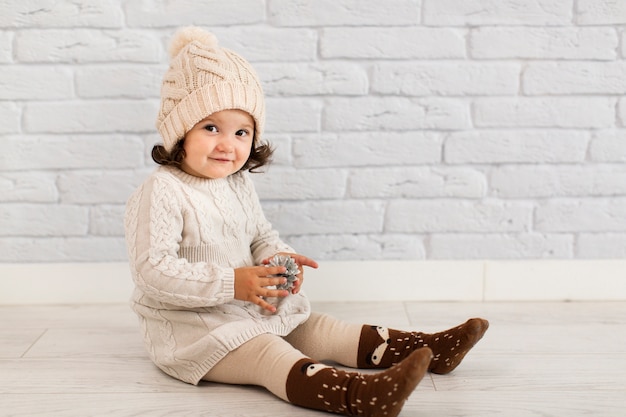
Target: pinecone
pixel 292 270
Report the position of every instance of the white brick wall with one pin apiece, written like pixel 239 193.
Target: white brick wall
pixel 405 129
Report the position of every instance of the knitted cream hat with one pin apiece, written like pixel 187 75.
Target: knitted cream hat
pixel 203 79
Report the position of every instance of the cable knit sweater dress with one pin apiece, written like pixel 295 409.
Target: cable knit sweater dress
pixel 185 236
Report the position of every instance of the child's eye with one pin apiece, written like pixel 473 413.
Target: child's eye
pixel 211 128
pixel 242 133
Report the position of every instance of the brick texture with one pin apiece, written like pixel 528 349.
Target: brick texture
pixel 404 129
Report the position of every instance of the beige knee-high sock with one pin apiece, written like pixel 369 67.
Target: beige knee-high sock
pixel 381 347
pixel 314 385
pixel 324 337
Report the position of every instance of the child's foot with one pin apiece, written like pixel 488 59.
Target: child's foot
pixel 452 345
pixel 314 385
pixel 380 347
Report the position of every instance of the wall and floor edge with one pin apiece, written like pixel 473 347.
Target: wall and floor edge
pixel 541 280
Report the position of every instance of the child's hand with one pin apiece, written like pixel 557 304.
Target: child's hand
pixel 301 260
pixel 251 283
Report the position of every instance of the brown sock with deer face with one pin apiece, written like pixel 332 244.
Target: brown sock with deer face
pixel 380 347
pixel 314 385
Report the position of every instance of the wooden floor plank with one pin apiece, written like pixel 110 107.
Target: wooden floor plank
pixel 16 342
pixel 90 343
pixel 537 373
pixel 537 359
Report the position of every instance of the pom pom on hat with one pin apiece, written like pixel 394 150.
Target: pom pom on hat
pixel 202 79
pixel 186 35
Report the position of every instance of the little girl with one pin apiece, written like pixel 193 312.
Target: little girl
pixel 199 247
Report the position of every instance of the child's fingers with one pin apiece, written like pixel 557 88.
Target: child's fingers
pixel 276 293
pixel 265 305
pixel 272 270
pixel 305 261
pixel 296 286
pixel 270 293
pixel 269 282
pixel 300 260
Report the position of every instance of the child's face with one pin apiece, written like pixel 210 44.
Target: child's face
pixel 218 145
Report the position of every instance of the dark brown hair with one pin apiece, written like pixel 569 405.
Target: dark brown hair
pixel 259 155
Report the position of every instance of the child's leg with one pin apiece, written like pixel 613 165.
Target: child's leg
pixel 381 347
pixel 264 361
pixel 325 337
pixel 315 385
pixel 269 361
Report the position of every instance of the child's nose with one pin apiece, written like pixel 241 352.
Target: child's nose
pixel 225 144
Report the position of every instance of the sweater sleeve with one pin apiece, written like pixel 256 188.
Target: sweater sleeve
pixel 154 225
pixel 266 242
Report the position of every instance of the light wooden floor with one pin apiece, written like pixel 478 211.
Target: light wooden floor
pixel 537 359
